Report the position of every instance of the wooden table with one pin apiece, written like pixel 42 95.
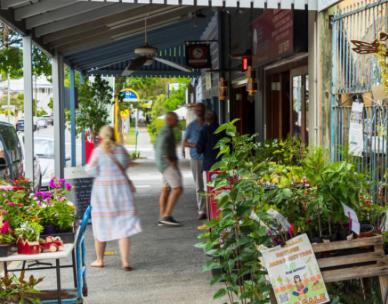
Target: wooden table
pixel 66 252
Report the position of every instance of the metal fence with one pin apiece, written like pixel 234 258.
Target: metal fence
pixel 353 75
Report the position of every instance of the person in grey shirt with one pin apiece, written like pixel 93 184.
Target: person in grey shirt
pixel 167 163
pixel 192 133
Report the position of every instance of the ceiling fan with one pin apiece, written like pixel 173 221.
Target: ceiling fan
pixel 146 55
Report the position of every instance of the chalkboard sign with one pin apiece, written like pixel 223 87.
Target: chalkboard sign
pixel 81 194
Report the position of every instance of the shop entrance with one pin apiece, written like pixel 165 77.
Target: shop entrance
pixel 244 109
pixel 287 103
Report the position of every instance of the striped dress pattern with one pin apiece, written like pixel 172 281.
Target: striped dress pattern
pixel 113 210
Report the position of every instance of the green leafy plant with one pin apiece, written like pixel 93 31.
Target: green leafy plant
pixel 29 231
pixel 54 208
pixel 19 290
pixel 233 237
pixel 94 102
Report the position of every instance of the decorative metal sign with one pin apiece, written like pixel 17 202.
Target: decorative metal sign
pixel 198 55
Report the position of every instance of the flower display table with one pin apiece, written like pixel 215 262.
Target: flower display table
pixel 67 251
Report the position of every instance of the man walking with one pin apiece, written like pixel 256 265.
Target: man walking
pixel 167 163
pixel 191 138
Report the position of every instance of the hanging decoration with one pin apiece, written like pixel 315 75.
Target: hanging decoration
pixel 378 47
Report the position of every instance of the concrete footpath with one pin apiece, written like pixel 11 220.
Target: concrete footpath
pixel 167 266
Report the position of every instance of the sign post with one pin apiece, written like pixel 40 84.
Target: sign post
pixel 130 97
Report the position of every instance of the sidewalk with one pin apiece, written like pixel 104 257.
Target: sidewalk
pixel 167 266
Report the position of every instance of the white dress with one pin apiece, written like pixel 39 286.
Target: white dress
pixel 113 211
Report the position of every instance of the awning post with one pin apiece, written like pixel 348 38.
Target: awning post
pixel 83 136
pixel 28 106
pixel 72 119
pixel 59 126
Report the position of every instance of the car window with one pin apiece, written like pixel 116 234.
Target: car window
pixel 4 170
pixel 11 142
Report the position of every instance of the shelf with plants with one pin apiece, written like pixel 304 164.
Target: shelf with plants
pixel 35 221
pixel 282 190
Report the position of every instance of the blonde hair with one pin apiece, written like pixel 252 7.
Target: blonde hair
pixel 107 136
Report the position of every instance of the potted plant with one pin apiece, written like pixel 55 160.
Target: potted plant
pixel 28 238
pixel 6 238
pixel 16 290
pixel 56 212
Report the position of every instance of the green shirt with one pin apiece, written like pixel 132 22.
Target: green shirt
pixel 165 148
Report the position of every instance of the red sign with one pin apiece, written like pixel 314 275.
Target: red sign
pixel 198 55
pixel 273 36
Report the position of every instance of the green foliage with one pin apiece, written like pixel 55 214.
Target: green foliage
pixel 41 64
pixel 256 180
pixel 29 231
pixel 94 102
pixel 19 290
pixel 232 238
pixel 11 62
pixel 154 127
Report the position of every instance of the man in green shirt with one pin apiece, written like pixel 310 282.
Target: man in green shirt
pixel 167 163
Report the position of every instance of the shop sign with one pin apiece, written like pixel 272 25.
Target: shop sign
pixel 198 56
pixel 208 81
pixel 273 36
pixel 294 273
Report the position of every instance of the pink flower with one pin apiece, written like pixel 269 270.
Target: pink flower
pixel 68 186
pixel 62 199
pixel 11 204
pixel 5 228
pixel 52 183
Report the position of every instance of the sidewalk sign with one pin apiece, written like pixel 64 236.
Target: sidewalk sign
pixel 82 189
pixel 294 273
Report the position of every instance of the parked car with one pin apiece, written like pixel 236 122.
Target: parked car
pixel 37 169
pixel 41 123
pixel 11 157
pixel 49 119
pixel 20 126
pixel 44 149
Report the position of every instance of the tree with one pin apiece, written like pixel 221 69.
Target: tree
pixel 93 103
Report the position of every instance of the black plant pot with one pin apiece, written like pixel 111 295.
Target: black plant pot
pixel 66 236
pixel 5 250
pixel 49 230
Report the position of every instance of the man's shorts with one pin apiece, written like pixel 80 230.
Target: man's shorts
pixel 172 177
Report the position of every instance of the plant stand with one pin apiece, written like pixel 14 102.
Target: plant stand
pixel 349 260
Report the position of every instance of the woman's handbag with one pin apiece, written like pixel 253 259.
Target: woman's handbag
pixel 122 170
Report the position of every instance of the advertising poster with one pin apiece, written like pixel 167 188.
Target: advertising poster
pixel 356 130
pixel 294 273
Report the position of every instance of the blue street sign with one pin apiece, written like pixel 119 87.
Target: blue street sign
pixel 128 96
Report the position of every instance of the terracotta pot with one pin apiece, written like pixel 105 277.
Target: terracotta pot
pixel 26 247
pixel 367 230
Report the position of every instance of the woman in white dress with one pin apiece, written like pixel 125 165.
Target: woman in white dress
pixel 113 211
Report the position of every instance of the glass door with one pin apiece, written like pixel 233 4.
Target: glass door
pixel 299 103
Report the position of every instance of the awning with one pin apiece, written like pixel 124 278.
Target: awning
pixel 283 4
pixel 99 34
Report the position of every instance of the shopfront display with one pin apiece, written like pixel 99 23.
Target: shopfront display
pixel 280 40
